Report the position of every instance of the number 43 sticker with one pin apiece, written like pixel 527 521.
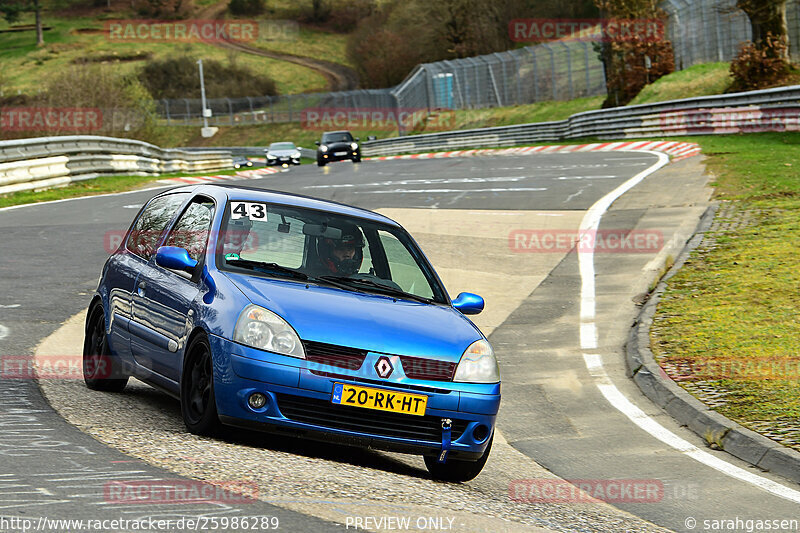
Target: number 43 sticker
pixel 250 210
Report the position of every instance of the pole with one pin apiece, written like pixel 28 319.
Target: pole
pixel 203 93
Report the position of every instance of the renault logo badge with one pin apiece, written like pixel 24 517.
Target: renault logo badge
pixel 384 367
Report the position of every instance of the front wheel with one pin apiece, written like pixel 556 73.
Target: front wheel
pixel 356 160
pixel 101 369
pixel 198 405
pixel 455 470
pixel 320 163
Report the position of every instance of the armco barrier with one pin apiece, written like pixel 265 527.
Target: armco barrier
pixel 50 161
pixel 754 111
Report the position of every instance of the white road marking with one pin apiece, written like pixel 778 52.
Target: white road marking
pixel 11 306
pixel 3 332
pixel 420 182
pixel 594 362
pixel 497 189
pixel 587 177
pixel 132 206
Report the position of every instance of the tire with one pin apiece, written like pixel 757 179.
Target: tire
pixel 457 471
pixel 101 370
pixel 320 163
pixel 356 160
pixel 198 405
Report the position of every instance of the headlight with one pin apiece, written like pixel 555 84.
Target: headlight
pixel 296 155
pixel 263 329
pixel 323 148
pixel 478 364
pixel 354 146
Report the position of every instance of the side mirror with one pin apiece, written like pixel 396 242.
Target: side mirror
pixel 468 303
pixel 316 142
pixel 175 258
pixel 358 139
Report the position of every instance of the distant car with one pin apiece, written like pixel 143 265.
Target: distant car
pixel 241 162
pixel 283 153
pixel 299 316
pixel 337 146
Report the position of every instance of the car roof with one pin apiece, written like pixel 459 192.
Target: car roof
pixel 288 199
pixel 339 131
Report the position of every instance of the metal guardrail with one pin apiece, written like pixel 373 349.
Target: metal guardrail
pixel 767 110
pixel 49 161
pixel 249 150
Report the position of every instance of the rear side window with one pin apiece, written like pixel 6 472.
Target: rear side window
pixel 192 229
pixel 148 229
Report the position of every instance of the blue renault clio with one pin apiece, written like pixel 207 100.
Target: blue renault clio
pixel 295 315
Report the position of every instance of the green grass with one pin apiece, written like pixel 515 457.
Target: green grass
pixel 698 80
pixel 737 301
pixel 100 185
pixel 310 43
pixel 24 66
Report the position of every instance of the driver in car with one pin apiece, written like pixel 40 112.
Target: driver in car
pixel 236 236
pixel 342 256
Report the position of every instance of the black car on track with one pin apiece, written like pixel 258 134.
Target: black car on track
pixel 337 146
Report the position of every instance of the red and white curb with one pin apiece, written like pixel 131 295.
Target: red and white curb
pixel 678 150
pixel 242 175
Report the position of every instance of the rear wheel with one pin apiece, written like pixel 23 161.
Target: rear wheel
pixel 455 470
pixel 101 370
pixel 198 405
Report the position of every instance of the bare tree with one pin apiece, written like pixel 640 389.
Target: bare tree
pixel 767 17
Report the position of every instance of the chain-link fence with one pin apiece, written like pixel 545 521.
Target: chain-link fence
pixel 554 71
pixel 561 70
pixel 702 31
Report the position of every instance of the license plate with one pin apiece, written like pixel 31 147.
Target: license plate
pixel 339 153
pixel 379 399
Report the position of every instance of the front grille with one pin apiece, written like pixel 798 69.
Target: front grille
pixel 333 355
pixel 326 414
pixel 430 369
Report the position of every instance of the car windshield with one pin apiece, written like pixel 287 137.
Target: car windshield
pixel 282 146
pixel 337 138
pixel 306 245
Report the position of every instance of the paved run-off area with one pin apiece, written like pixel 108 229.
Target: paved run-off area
pixel 463 214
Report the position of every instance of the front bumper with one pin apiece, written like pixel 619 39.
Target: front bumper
pixel 298 403
pixel 283 160
pixel 343 155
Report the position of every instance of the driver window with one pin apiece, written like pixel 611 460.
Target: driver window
pixel 192 228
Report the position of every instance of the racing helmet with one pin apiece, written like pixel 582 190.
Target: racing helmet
pixel 351 237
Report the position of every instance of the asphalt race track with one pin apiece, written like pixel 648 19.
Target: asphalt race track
pixel 475 218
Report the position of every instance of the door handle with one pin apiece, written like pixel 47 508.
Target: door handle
pixel 141 288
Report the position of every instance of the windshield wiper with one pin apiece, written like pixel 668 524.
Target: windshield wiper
pixel 380 286
pixel 272 267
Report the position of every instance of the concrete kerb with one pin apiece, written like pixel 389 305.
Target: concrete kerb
pixel 718 431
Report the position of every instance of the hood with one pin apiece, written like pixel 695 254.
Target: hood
pixel 366 321
pixel 282 153
pixel 339 145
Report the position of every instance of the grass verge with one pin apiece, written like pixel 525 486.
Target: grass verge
pixel 727 328
pixel 91 187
